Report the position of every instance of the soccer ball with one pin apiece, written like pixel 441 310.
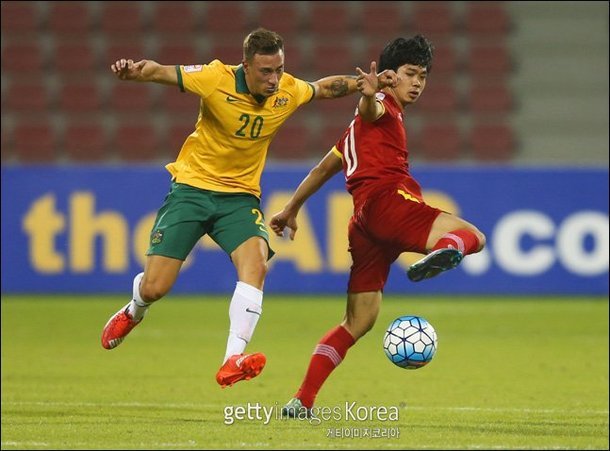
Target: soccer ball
pixel 410 342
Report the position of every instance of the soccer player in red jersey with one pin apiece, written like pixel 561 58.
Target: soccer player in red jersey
pixel 390 215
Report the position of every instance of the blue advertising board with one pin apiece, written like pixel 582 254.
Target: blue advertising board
pixel 86 230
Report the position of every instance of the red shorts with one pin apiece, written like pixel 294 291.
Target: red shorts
pixel 387 225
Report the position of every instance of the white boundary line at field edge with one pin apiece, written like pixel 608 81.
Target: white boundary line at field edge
pixel 207 406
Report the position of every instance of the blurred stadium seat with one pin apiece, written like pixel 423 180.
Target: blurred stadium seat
pixel 115 50
pixel 228 53
pixel 80 97
pixel 176 134
pixel 337 111
pixel 435 20
pixel 177 103
pixel 330 58
pixel 281 17
pixel 122 18
pixel 34 142
pixel 174 19
pixel 19 19
pixel 228 20
pixel 486 20
pixel 445 63
pixel 438 98
pixel 328 137
pixel 69 20
pixel 381 22
pixel 6 138
pixel 489 61
pixel 329 20
pixel 74 43
pixel 489 99
pixel 129 97
pixel 492 142
pixel 437 142
pixel 136 142
pixel 22 58
pixel 85 143
pixel 183 53
pixel 76 59
pixel 292 142
pixel 28 97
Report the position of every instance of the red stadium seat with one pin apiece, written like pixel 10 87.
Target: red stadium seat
pixel 122 18
pixel 281 17
pixel 292 142
pixel 489 61
pixel 445 62
pixel 228 53
pixel 137 142
pixel 6 147
pixel 76 59
pixel 116 50
pixel 126 96
pixel 184 53
pixel 438 98
pixel 178 103
pixel 333 58
pixel 19 19
pixel 381 22
pixel 487 99
pixel 492 142
pixel 294 59
pixel 487 20
pixel 80 97
pixel 437 142
pixel 28 97
pixel 34 142
pixel 174 18
pixel 22 58
pixel 336 111
pixel 177 133
pixel 85 142
pixel 227 19
pixel 435 20
pixel 329 20
pixel 68 20
pixel 330 134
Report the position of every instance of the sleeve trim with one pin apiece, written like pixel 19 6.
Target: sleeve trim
pixel 179 74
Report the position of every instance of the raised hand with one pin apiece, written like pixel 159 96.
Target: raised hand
pixel 126 69
pixel 367 84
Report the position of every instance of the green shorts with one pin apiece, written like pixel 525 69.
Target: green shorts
pixel 188 213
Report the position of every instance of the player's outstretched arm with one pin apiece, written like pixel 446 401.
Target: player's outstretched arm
pixel 318 176
pixel 342 85
pixel 145 70
pixel 369 108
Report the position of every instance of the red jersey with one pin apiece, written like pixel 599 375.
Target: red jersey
pixel 375 155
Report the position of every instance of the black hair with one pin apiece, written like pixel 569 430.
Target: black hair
pixel 416 50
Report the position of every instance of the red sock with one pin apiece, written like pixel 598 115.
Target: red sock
pixel 328 354
pixel 462 240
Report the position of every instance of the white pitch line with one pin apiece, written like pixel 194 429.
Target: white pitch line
pixel 209 406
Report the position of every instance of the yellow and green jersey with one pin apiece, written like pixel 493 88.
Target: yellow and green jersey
pixel 228 148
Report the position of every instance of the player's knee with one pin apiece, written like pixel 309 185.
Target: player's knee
pixel 258 269
pixel 151 291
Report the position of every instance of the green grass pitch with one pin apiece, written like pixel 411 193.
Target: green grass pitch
pixel 510 373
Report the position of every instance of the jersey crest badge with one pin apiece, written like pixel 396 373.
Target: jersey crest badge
pixel 193 68
pixel 280 102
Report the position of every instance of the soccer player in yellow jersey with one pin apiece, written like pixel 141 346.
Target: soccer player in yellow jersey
pixel 215 187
